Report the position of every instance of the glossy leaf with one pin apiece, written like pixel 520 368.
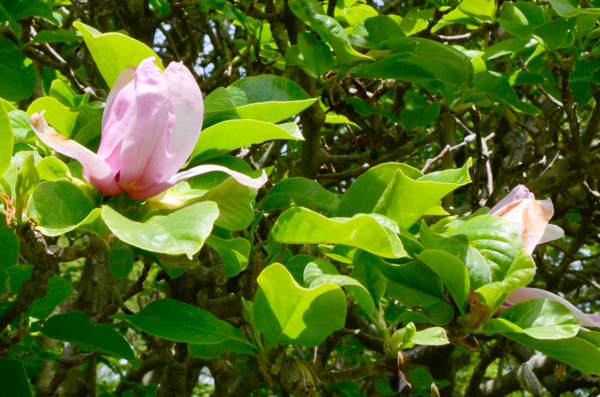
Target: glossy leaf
pixel 235 204
pixel 59 116
pixel 13 378
pixel 56 36
pixel 234 253
pixel 538 318
pixel 405 200
pixel 301 192
pixel 521 19
pixel 432 336
pixel 178 321
pixel 369 32
pixel 287 313
pixel 302 226
pixel 570 8
pixel 58 207
pixel 498 89
pixel 182 232
pixel 120 260
pixel 316 53
pixel 76 328
pixel 9 247
pixel 6 137
pixel 114 52
pixel 17 80
pixel 420 61
pixel 234 134
pixel 317 268
pixel 452 272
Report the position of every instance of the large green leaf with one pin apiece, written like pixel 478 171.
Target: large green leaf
pixel 9 247
pixel 481 9
pixel 366 269
pixel 452 272
pixel 287 313
pixel 182 232
pixel 17 80
pixel 13 378
pixel 266 98
pixel 371 31
pixel 301 226
pixel 76 328
pixel 56 36
pixel 405 200
pixel 214 350
pixel 178 321
pixel 496 239
pixel 521 19
pixel 538 318
pixel 419 60
pixel 234 134
pixel 312 13
pixel 415 285
pixel 316 53
pixel 479 271
pixel 234 253
pixel 58 207
pixel 6 137
pixel 570 8
pixel 498 89
pixel 364 193
pixel 235 204
pixel 301 192
pixel 114 52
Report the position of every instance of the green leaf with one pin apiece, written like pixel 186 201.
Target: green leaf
pixel 371 31
pixel 76 328
pixel 510 46
pixel 521 19
pixel 433 336
pixel 234 134
pixel 481 9
pixel 421 116
pixel 235 204
pixel 58 290
pixel 330 30
pixel 27 178
pixel 9 247
pixel 406 200
pixel 17 80
pixel 30 8
pixel 366 270
pixel 60 117
pixel 182 232
pixel 300 192
pixel 415 285
pixel 498 89
pixel 570 8
pixel 265 98
pixel 296 266
pixel 317 268
pixel 366 109
pixel 479 272
pixel 419 61
pixel 56 36
pixel 287 313
pixel 21 128
pixel 114 52
pixel 214 350
pixel 6 137
pixel 120 260
pixel 511 266
pixel 538 318
pixel 365 191
pixel 452 272
pixel 317 54
pixel 234 253
pixel 301 226
pixel 180 322
pixel 58 207
pixel 13 378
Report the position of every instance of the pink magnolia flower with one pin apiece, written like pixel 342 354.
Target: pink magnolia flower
pixel 150 126
pixel 529 216
pixel 524 294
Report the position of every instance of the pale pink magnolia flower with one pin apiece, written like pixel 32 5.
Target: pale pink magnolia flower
pixel 150 126
pixel 529 216
pixel 524 294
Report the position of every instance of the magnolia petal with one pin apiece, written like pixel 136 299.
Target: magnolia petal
pixel 552 233
pixel 188 104
pixel 146 147
pixel 524 294
pixel 95 170
pixel 199 170
pixel 117 114
pixel 518 193
pixel 529 217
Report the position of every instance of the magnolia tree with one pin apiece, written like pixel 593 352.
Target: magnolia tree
pixel 241 197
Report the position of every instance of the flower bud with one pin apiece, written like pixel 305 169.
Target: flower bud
pixel 298 378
